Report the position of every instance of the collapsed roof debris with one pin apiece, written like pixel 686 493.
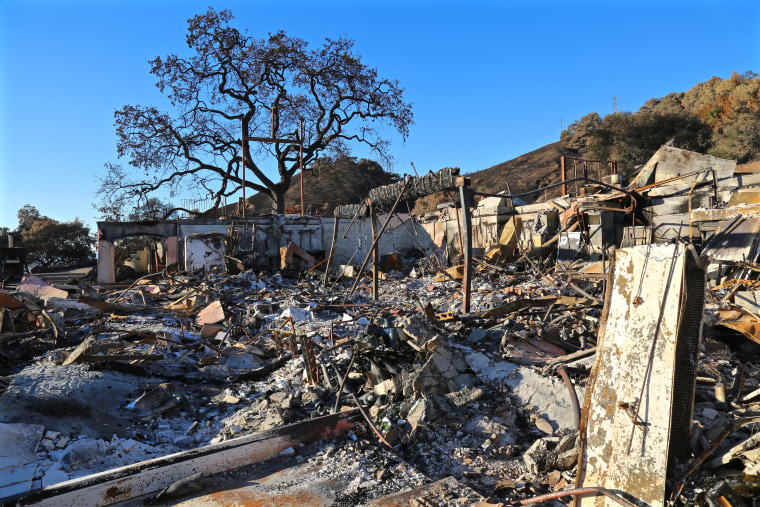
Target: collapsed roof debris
pixel 374 358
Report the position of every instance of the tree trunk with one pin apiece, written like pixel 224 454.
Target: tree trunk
pixel 278 205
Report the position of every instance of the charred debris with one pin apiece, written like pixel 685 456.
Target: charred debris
pixel 597 348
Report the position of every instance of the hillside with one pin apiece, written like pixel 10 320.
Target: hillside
pixel 331 183
pixel 347 181
pixel 530 171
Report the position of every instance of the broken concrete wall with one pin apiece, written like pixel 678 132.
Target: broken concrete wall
pixel 537 218
pixel 263 236
pixel 314 234
pixel 698 182
pixel 358 237
pixel 272 232
pixel 190 227
pixel 673 161
pixel 487 223
pixel 109 232
pixel 205 251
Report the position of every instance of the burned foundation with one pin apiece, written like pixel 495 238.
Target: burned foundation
pixel 491 354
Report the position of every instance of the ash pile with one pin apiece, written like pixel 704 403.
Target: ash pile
pixel 185 360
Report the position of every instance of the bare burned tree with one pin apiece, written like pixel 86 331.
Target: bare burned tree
pixel 234 82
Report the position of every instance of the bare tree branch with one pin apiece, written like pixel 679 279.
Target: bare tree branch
pixel 265 86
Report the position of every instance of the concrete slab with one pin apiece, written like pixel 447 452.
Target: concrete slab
pixel 18 457
pixel 73 400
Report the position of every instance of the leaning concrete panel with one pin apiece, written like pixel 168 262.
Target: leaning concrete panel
pixel 638 408
pixel 676 162
pixel 669 162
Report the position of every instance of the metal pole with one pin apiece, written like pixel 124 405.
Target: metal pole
pixel 466 196
pixel 242 142
pixel 562 169
pixel 375 256
pixel 300 157
pixel 332 249
pixel 575 176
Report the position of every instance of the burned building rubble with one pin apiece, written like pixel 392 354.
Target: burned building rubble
pixel 596 348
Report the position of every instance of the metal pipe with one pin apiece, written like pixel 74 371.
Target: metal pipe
pixel 300 158
pixel 242 156
pixel 596 491
pixel 583 292
pixel 573 396
pixel 435 265
pixel 630 193
pixel 366 415
pixel 332 249
pixel 343 383
pixel 691 191
pixel 375 256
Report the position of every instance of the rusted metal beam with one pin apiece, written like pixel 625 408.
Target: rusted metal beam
pixel 150 476
pixel 242 163
pixel 630 193
pixel 573 396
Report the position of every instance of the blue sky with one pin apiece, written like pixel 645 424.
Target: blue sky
pixel 488 80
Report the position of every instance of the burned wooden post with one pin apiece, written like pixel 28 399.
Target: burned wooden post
pixel 465 194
